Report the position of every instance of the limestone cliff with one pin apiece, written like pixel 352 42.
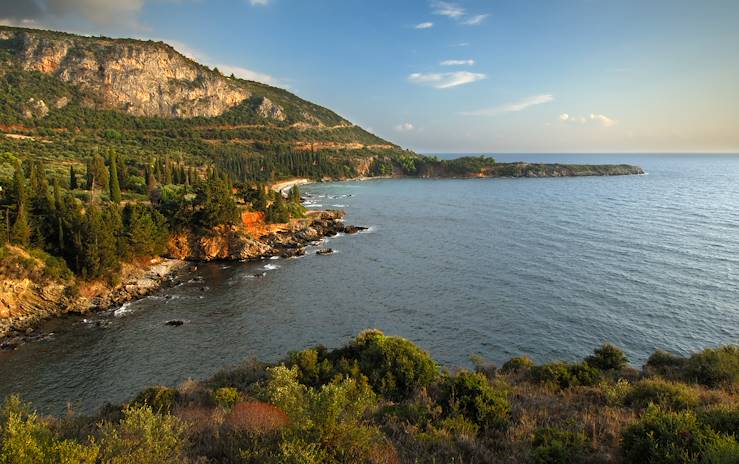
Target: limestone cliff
pixel 138 77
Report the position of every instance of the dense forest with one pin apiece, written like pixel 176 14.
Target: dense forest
pixel 381 399
pixel 114 210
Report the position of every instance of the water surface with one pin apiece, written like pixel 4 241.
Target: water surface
pixel 497 267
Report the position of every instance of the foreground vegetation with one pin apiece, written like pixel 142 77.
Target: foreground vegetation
pixel 381 399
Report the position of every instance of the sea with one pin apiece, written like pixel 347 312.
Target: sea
pixel 495 268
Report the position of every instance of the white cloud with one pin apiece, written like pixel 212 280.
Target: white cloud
pixel 457 62
pixel 427 25
pixel 450 10
pixel 99 12
pixel 512 107
pixel 445 80
pixel 248 74
pixel 405 127
pixel 475 20
pixel 593 118
pixel 226 69
pixel 259 2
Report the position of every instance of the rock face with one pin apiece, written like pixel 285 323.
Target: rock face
pixel 140 78
pixel 27 296
pixel 232 243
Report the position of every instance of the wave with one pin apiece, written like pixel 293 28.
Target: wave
pixel 271 267
pixel 123 310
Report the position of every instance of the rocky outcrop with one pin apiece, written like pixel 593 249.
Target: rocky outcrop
pixel 28 296
pixel 234 243
pixel 138 77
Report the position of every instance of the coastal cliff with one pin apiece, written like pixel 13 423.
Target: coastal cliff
pixel 246 241
pixel 32 288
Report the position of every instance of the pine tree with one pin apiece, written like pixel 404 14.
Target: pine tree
pixel 72 179
pixel 115 189
pixel 19 185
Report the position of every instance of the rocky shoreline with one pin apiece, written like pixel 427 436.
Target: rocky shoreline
pixel 226 243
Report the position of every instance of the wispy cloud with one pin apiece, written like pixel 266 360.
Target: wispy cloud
pixel 445 80
pixel 226 69
pixel 513 107
pixel 457 63
pixel 448 9
pixel 475 20
pixel 456 12
pixel 259 2
pixel 405 127
pixel 594 118
pixel 426 25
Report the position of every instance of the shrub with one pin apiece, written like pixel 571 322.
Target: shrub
pixel 666 437
pixel 607 357
pixel 471 395
pixel 723 419
pixel 25 438
pixel 563 375
pixel 725 450
pixel 394 366
pixel 557 446
pixel 333 415
pixel 516 364
pixel 256 418
pixel 161 399
pixel 226 397
pixel 143 437
pixel 714 367
pixel 663 393
pixel 665 364
pixel 315 368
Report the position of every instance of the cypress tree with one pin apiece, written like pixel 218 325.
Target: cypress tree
pixel 72 179
pixel 115 189
pixel 21 230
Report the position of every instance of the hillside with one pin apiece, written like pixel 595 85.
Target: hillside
pixel 63 97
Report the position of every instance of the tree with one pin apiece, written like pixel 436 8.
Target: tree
pixel 115 189
pixel 146 230
pixel 21 233
pixel 72 179
pixel 215 204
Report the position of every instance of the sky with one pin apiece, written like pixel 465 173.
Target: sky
pixel 505 76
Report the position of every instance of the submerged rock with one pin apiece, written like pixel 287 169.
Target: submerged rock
pixel 325 251
pixel 174 323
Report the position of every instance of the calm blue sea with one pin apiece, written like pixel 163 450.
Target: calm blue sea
pixel 495 267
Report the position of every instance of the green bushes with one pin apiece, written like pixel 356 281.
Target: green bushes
pixel 666 437
pixel 668 395
pixel 564 375
pixel 394 366
pixel 714 367
pixel 607 357
pixel 160 399
pixel 226 397
pixel 723 419
pixel 143 437
pixel 665 364
pixel 27 439
pixel 517 364
pixel 552 445
pixel 470 395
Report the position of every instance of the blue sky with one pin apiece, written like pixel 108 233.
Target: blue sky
pixel 466 76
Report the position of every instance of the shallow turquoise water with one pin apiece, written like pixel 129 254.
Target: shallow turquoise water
pixel 497 267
